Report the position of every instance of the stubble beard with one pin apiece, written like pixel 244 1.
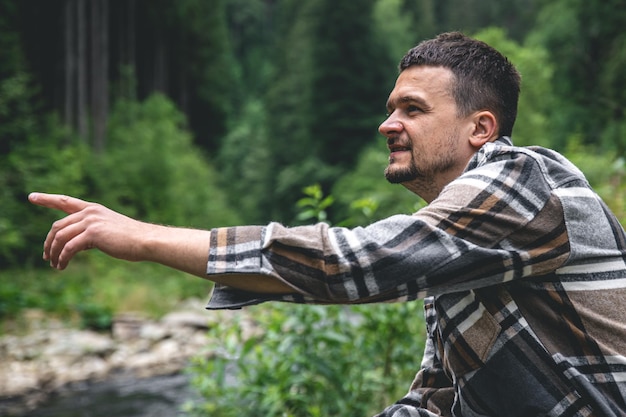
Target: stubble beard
pixel 425 175
pixel 399 175
pixel 415 180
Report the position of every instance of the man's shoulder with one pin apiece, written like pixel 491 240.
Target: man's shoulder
pixel 506 158
pixel 503 148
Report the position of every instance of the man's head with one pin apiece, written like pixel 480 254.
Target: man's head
pixel 452 96
pixel 484 78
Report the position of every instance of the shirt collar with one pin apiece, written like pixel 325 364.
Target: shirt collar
pixel 480 157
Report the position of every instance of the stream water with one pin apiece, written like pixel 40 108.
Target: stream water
pixel 160 396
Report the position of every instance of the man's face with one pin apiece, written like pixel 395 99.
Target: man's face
pixel 424 135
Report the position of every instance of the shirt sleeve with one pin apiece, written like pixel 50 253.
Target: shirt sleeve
pixel 495 223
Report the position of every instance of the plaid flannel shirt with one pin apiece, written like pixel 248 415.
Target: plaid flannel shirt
pixel 523 273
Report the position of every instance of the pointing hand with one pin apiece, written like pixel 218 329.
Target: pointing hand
pixel 86 226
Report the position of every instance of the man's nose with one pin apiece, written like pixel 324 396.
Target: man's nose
pixel 390 126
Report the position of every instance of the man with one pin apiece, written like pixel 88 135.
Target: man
pixel 521 266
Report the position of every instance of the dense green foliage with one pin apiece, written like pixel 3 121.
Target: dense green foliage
pixel 587 44
pixel 152 170
pixel 311 361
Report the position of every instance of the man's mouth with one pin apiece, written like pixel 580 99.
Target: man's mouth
pixel 394 149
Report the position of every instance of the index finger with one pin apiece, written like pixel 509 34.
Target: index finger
pixel 58 201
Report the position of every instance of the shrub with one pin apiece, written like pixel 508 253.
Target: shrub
pixel 311 360
pixel 151 170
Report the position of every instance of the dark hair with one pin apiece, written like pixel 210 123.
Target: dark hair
pixel 484 78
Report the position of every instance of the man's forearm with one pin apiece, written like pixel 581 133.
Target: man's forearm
pixel 187 250
pixel 179 248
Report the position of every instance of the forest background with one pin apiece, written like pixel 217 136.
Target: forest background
pixel 210 113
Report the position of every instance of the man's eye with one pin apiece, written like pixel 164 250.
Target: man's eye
pixel 412 109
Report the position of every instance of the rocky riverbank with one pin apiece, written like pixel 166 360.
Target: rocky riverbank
pixel 52 356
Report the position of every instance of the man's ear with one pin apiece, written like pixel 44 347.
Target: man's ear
pixel 485 128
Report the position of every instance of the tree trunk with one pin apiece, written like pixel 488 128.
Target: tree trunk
pixel 132 7
pixel 68 98
pixel 99 72
pixel 81 109
pixel 160 61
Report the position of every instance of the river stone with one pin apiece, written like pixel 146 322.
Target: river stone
pixel 45 359
pixel 179 319
pixel 75 343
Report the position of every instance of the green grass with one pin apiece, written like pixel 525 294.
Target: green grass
pixel 93 289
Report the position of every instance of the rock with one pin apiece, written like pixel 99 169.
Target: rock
pixel 47 358
pixel 153 332
pixel 179 319
pixel 127 326
pixel 77 344
pixel 18 377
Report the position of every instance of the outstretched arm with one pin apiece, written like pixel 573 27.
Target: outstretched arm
pixel 91 225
